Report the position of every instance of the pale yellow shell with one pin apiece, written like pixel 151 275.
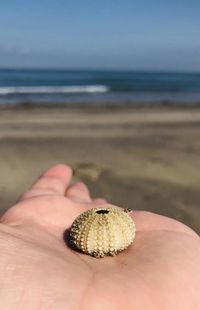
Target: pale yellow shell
pixel 102 231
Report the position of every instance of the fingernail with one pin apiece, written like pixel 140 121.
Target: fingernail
pixel 80 185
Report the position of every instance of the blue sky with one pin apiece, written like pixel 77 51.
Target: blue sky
pixel 121 34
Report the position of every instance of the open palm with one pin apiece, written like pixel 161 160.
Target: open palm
pixel 160 270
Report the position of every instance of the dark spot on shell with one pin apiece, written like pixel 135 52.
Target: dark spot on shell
pixel 102 211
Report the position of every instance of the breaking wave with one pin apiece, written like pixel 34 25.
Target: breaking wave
pixel 53 89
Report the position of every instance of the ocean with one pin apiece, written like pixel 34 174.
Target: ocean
pixel 97 86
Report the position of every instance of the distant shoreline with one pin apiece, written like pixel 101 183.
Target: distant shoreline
pixel 98 105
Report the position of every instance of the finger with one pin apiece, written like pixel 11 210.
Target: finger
pixel 99 201
pixel 79 192
pixel 53 181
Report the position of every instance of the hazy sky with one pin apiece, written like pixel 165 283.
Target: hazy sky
pixel 142 34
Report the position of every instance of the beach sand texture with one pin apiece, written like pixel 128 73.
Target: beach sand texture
pixel 139 158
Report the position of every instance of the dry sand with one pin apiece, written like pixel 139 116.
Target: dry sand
pixel 140 158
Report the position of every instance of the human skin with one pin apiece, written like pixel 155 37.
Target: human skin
pixel 160 270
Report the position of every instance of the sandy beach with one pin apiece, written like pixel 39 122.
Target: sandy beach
pixel 139 158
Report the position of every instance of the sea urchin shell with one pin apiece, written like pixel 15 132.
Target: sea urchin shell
pixel 102 231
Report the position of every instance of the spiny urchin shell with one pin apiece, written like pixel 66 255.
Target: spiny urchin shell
pixel 102 231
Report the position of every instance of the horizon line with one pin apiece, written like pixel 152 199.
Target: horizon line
pixel 99 69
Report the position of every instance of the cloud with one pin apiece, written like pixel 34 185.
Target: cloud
pixel 25 50
pixel 15 49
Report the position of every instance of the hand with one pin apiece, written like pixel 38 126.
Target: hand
pixel 160 270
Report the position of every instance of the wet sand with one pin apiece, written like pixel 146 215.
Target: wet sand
pixel 140 158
